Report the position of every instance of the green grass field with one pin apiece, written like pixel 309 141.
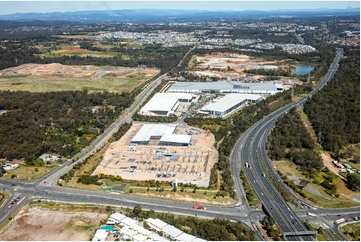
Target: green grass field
pixel 28 173
pixel 48 84
pixel 351 231
pixel 323 199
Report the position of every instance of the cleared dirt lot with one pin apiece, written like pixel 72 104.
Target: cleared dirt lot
pixel 151 162
pixel 39 223
pixel 58 77
pixel 232 66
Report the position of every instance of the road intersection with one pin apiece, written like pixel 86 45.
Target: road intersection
pixel 249 147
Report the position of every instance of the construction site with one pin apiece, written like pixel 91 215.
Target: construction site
pixel 162 152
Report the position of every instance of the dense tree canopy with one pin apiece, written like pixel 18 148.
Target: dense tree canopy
pixel 60 122
pixel 290 139
pixel 335 111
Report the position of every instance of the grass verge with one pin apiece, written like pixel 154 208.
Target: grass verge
pixel 28 173
pixel 315 193
pixel 351 231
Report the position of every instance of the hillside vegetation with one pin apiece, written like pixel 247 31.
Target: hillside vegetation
pixel 59 122
pixel 335 110
pixel 290 140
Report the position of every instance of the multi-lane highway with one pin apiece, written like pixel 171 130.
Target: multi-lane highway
pixel 250 149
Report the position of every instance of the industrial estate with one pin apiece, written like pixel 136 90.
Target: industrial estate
pixel 180 125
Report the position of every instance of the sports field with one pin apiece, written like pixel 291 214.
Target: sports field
pixel 57 77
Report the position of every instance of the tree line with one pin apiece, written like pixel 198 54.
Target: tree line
pixel 216 229
pixel 22 52
pixel 335 110
pixel 59 122
pixel 291 140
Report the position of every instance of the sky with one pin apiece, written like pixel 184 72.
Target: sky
pixel 9 7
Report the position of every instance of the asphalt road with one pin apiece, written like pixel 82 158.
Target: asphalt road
pixel 250 148
pixel 22 192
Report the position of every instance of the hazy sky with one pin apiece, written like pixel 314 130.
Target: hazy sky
pixel 8 7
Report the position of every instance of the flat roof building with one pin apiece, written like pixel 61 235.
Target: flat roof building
pixel 165 104
pixel 117 217
pixel 226 87
pixel 100 235
pixel 228 104
pixel 156 224
pixel 171 232
pixel 164 133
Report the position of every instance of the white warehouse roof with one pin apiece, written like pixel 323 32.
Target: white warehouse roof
pixel 176 138
pixel 149 130
pixel 222 86
pixel 228 101
pixel 164 102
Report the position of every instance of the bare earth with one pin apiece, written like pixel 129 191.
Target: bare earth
pixel 187 198
pixel 194 164
pixel 58 77
pixel 37 223
pixel 56 69
pixel 327 161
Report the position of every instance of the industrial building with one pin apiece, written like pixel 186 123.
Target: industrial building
pixel 165 104
pixel 227 104
pixel 160 134
pixel 268 88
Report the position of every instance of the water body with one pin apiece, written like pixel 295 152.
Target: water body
pixel 302 70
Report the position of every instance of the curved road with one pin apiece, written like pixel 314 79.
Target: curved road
pixel 45 188
pixel 250 149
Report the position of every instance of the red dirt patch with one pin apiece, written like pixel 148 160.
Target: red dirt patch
pixel 73 49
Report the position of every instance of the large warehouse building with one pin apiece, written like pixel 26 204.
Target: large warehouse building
pixel 164 104
pixel 226 87
pixel 160 134
pixel 228 104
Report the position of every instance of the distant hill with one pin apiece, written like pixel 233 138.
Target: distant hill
pixel 171 14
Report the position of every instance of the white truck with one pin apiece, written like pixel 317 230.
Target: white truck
pixel 312 214
pixel 339 221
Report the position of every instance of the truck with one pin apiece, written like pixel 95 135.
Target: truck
pixel 312 214
pixel 198 207
pixel 338 221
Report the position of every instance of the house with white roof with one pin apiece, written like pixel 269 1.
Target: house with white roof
pixel 171 232
pixel 128 222
pixel 100 235
pixel 156 224
pixel 156 237
pixel 186 237
pixel 117 217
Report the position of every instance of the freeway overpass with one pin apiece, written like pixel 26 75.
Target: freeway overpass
pixel 22 192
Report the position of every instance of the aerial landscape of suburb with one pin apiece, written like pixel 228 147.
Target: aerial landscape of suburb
pixel 179 120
